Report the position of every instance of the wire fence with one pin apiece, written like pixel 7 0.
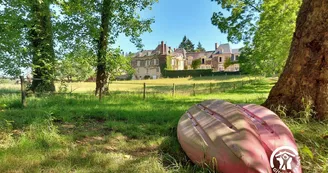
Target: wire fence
pixel 143 89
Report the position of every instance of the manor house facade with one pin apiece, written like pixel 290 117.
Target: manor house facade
pixel 152 63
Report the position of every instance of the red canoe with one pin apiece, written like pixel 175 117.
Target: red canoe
pixel 232 138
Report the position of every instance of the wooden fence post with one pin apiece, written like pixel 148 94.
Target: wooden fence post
pixel 194 92
pixel 173 90
pixel 23 92
pixel 144 91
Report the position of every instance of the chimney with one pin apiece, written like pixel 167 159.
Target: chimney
pixel 170 50
pixel 162 47
pixel 165 51
pixel 216 46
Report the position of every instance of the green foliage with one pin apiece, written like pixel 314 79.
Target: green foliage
pixel 187 45
pixel 27 41
pixel 77 65
pixel 187 73
pixel 265 27
pixel 14 43
pixel 200 48
pixel 195 64
pixel 168 63
pixel 83 18
pixel 240 25
pixel 269 50
pixel 86 135
pixel 308 113
pixel 227 63
pixel 117 64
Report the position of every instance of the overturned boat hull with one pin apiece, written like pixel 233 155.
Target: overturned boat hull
pixel 232 138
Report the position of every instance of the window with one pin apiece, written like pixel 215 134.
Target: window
pixel 156 62
pixel 232 57
pixel 138 63
pixel 157 69
pixel 236 57
pixel 203 61
pixel 220 59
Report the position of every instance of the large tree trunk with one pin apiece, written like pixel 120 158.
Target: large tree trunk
pixel 101 80
pixel 41 38
pixel 305 76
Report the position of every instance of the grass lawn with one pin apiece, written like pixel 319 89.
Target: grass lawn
pixel 124 133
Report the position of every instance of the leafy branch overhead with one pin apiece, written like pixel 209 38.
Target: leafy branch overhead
pixel 265 27
pixel 240 24
pixel 84 18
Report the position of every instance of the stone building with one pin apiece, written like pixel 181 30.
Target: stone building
pixel 151 63
pixel 215 59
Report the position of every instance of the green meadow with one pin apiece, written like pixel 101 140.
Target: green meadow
pixel 75 132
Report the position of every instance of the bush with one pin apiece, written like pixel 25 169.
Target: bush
pixel 147 77
pixel 196 64
pixel 195 73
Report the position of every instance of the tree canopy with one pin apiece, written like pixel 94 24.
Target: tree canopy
pixel 265 27
pixel 200 48
pixel 187 45
pixel 36 34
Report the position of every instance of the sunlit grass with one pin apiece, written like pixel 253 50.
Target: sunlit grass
pixel 123 133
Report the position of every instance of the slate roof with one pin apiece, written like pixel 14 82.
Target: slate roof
pixel 223 48
pixel 145 53
pixel 181 51
pixel 234 51
pixel 197 55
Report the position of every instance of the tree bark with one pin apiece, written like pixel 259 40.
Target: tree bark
pixel 305 76
pixel 41 38
pixel 101 80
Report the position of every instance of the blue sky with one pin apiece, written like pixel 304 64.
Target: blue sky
pixel 176 18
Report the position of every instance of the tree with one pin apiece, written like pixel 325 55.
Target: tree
pixel 100 23
pixel 195 64
pixel 267 45
pixel 41 38
pixel 118 64
pixel 227 63
pixel 27 38
pixel 200 48
pixel 183 42
pixel 241 24
pixel 187 45
pixel 304 81
pixel 271 43
pixel 78 64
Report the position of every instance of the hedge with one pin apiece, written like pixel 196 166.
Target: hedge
pixel 195 73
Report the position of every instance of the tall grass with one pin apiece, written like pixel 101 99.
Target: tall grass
pixel 123 133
